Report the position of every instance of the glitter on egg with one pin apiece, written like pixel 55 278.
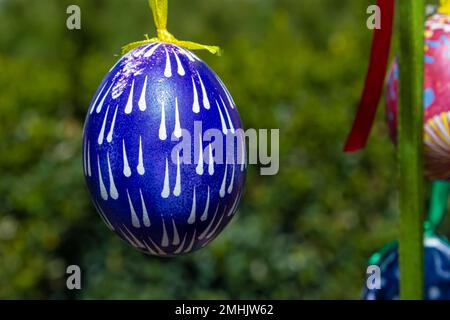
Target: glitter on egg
pixel 143 189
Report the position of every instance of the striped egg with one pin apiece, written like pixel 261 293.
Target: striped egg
pixel 164 151
pixel 436 98
pixel 437 272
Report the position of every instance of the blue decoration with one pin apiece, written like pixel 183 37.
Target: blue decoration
pixel 428 97
pixel 157 119
pixel 437 272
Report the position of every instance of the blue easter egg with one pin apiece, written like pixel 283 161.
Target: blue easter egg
pixel 164 151
pixel 437 272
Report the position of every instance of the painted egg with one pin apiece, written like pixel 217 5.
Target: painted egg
pixel 436 98
pixel 437 272
pixel 164 151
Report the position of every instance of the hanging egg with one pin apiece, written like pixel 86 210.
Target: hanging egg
pixel 436 97
pixel 164 151
pixel 437 272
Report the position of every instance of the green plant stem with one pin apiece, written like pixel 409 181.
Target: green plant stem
pixel 411 14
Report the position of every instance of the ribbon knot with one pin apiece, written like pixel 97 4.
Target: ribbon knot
pixel 160 9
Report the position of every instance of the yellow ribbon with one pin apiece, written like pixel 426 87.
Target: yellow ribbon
pixel 160 9
pixel 445 7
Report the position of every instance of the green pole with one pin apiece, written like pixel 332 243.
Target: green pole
pixel 411 15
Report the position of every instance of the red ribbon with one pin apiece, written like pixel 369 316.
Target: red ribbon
pixel 376 74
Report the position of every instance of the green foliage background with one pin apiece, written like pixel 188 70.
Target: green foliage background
pixel 295 65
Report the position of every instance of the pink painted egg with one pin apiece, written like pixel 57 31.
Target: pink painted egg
pixel 436 97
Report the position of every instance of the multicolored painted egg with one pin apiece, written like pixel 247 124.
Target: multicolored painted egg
pixel 437 272
pixel 436 98
pixel 164 151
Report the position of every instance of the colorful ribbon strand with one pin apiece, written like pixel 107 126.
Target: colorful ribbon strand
pixel 376 73
pixel 160 9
